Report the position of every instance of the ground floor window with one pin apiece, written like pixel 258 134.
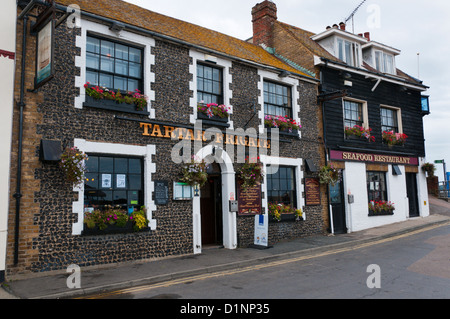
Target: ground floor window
pixel 281 185
pixel 376 186
pixel 113 181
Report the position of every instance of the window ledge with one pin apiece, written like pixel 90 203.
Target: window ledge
pixel 110 105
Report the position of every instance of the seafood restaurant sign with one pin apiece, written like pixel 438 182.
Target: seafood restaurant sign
pixel 373 158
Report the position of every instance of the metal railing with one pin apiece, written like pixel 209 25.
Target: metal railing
pixel 444 190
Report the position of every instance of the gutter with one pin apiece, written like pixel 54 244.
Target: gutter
pixel 368 74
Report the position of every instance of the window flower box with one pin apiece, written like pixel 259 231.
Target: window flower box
pixel 287 126
pixel 381 208
pixel 114 221
pixel 103 98
pixel 359 133
pixel 284 213
pixel 392 139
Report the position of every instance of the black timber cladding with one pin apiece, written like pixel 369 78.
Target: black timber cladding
pixel 386 93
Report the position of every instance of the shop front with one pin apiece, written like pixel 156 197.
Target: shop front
pixel 376 190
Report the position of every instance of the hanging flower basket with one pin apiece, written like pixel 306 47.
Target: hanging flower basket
pixel 329 175
pixel 251 173
pixel 194 173
pixel 429 168
pixel 73 165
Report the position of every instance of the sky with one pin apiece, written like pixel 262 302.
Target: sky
pixel 412 26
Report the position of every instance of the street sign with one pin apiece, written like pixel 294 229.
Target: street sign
pixel 439 162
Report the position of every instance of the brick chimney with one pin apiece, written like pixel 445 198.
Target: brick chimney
pixel 264 14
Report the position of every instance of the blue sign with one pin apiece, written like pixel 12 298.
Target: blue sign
pixel 425 104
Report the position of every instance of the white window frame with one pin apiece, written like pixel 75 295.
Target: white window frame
pixel 355 52
pixel 198 57
pixel 292 83
pixel 296 163
pixel 382 67
pixel 146 152
pixel 146 43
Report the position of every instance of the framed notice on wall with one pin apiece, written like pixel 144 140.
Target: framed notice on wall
pixel 250 200
pixel 312 192
pixel 45 30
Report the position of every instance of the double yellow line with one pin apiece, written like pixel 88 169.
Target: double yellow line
pixel 257 267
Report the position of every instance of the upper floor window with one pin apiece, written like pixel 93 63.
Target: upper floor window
pixel 209 84
pixel 353 114
pixel 114 65
pixel 384 62
pixel 390 120
pixel 277 100
pixel 349 52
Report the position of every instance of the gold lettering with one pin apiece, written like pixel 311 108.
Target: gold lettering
pixel 251 142
pixel 229 139
pixel 156 131
pixel 219 138
pixel 146 127
pixel 169 131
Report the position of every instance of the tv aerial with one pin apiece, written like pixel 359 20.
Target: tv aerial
pixel 352 15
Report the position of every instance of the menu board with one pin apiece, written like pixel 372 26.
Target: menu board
pixel 249 201
pixel 312 191
pixel 161 192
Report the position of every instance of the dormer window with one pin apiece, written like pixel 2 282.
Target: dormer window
pixel 384 62
pixel 349 52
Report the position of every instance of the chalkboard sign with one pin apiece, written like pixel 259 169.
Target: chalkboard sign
pixel 161 192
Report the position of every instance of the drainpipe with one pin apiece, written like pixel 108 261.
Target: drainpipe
pixel 18 195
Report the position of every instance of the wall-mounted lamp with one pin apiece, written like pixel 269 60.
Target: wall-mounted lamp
pixel 284 74
pixel 117 27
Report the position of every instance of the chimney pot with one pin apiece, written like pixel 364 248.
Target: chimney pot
pixel 367 36
pixel 342 25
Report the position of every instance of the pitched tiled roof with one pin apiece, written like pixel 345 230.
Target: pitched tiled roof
pixel 139 17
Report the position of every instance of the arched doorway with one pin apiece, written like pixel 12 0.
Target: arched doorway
pixel 223 181
pixel 211 207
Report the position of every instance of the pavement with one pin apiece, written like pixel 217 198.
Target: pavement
pixel 98 279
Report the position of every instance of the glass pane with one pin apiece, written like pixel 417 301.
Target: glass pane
pixel 120 165
pixel 107 64
pixel 121 67
pixel 216 75
pixel 200 71
pixel 106 80
pixel 135 181
pixel 133 198
pixel 120 198
pixel 92 61
pixel 105 197
pixel 135 55
pixel 121 52
pixel 133 85
pixel 106 164
pixel 92 77
pixel 135 70
pixel 93 45
pixel 134 165
pixel 120 83
pixel 107 48
pixel 92 164
pixel 216 88
pixel 199 84
pixel 91 181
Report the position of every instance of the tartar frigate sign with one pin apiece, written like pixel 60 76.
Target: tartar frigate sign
pixel 373 158
pixel 167 131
